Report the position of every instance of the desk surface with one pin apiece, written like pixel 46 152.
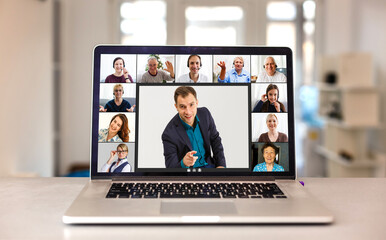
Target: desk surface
pixel 32 208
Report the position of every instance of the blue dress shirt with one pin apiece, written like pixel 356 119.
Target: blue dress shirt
pixel 232 77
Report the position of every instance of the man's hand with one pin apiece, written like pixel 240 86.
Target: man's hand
pixel 169 68
pixel 189 159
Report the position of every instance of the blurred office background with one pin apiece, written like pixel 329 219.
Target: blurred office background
pixel 339 59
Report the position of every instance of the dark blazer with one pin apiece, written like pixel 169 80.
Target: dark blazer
pixel 176 141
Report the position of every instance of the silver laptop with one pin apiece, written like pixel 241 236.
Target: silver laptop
pixel 185 134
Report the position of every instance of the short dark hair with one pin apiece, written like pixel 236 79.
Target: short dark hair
pixel 118 58
pixel 194 55
pixel 184 91
pixel 269 145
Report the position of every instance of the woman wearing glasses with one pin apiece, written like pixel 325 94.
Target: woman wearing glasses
pixel 118 104
pixel 119 165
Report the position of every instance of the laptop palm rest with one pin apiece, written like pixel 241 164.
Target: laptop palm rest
pixel 198 208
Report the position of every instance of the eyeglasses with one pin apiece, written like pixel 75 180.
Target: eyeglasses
pixel 121 151
pixel 118 90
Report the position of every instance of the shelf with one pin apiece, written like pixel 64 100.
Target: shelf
pixel 330 155
pixel 339 123
pixel 335 88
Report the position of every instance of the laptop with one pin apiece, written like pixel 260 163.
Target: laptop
pixel 183 134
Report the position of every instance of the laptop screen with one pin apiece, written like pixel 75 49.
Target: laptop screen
pixel 192 111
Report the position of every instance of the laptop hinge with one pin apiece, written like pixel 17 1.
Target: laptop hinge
pixel 191 178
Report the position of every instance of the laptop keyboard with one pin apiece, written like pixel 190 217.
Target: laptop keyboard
pixel 195 190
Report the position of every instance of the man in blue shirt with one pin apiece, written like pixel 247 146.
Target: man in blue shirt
pixel 236 74
pixel 191 135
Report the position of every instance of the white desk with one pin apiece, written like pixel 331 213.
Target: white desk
pixel 32 208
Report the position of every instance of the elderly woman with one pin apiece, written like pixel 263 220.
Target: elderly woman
pixel 121 164
pixel 121 74
pixel 118 104
pixel 270 74
pixel 236 75
pixel 269 151
pixel 272 135
pixel 269 101
pixel 118 130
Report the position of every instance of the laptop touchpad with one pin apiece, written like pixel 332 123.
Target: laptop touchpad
pixel 198 208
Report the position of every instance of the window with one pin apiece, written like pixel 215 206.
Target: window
pixel 140 28
pixel 213 25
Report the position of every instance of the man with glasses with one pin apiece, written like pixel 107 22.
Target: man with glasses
pixel 118 104
pixel 153 75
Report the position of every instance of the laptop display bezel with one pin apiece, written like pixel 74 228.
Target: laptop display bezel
pixel 187 50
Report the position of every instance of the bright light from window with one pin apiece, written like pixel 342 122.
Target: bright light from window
pixel 309 10
pixel 309 28
pixel 143 9
pixel 143 22
pixel 282 11
pixel 214 13
pixel 200 36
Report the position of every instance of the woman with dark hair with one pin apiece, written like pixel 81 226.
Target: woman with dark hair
pixel 269 151
pixel 121 74
pixel 270 101
pixel 118 130
pixel 121 164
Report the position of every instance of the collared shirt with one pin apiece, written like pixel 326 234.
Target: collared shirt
pixel 197 141
pixel 186 78
pixel 114 165
pixel 232 77
pixel 102 137
pixel 262 167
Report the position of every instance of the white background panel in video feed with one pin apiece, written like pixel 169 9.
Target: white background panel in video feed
pixel 229 108
pixel 258 89
pixel 259 124
pixel 107 65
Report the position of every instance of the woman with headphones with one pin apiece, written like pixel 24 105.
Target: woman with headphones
pixel 269 101
pixel 118 104
pixel 121 74
pixel 270 74
pixel 194 64
pixel 236 75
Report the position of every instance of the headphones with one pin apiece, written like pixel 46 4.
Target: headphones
pixel 119 58
pixel 264 66
pixel 233 65
pixel 123 90
pixel 266 92
pixel 187 64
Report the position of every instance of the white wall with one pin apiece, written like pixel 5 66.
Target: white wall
pixel 355 25
pixel 26 122
pixel 84 24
